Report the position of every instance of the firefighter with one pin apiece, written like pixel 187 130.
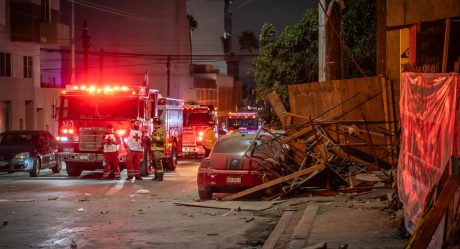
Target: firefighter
pixel 157 149
pixel 110 141
pixel 209 138
pixel 134 148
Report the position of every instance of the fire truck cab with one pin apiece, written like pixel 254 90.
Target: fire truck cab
pixel 84 113
pixel 196 120
pixel 248 121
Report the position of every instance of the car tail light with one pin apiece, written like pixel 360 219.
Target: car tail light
pixel 206 164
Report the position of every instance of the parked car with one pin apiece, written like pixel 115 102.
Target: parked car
pixel 237 162
pixel 28 151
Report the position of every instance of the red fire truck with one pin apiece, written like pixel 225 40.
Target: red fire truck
pixel 196 120
pixel 85 111
pixel 248 121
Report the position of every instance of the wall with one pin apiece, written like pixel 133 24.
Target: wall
pixel 312 99
pixel 414 11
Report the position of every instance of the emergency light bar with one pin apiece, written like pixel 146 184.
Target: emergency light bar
pixel 91 89
pixel 242 114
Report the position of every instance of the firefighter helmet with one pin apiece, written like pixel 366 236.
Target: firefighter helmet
pixel 157 121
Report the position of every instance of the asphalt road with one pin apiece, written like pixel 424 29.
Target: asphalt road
pixel 57 211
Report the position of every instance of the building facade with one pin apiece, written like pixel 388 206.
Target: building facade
pixel 26 97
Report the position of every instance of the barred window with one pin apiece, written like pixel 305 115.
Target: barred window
pixel 28 67
pixel 5 64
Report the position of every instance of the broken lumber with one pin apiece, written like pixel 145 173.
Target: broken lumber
pixel 278 108
pixel 272 183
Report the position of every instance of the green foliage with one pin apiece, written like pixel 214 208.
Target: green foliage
pixel 248 41
pixel 291 58
pixel 267 34
pixel 358 31
pixel 192 23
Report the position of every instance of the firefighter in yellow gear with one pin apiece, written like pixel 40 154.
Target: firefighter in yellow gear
pixel 209 138
pixel 157 149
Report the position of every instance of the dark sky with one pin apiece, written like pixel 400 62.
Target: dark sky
pixel 252 14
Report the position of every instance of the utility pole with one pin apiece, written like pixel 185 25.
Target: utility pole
pixel 321 41
pixel 72 45
pixel 101 66
pixel 86 44
pixel 329 41
pixel 168 76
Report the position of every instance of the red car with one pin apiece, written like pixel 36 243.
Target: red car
pixel 237 162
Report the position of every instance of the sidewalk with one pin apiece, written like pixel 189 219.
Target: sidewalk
pixel 336 222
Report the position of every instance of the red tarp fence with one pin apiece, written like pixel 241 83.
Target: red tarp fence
pixel 429 135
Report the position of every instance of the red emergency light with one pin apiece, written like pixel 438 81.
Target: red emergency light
pixel 106 90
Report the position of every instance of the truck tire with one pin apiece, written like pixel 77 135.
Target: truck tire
pixel 171 162
pixel 73 170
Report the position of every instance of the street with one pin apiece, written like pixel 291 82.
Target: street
pixel 57 211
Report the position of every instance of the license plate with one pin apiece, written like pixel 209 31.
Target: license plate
pixel 231 179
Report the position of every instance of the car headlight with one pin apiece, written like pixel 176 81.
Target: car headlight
pixel 22 155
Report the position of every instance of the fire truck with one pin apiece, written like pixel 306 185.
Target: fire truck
pixel 196 120
pixel 248 121
pixel 170 114
pixel 84 113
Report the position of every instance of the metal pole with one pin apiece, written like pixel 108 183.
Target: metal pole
pixel 168 75
pixel 72 45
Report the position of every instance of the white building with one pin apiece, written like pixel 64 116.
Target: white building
pixel 26 98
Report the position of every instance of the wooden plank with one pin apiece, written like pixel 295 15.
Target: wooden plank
pixel 297 134
pixel 347 156
pixel 423 234
pixel 445 54
pixel 278 107
pixel 272 183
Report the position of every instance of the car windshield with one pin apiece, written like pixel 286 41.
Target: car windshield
pixel 17 139
pixel 243 122
pixel 233 144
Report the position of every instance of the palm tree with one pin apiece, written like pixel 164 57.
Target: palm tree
pixel 248 41
pixel 192 25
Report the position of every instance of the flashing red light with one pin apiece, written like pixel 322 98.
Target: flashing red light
pixel 121 132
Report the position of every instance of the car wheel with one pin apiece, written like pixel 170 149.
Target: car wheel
pixel 172 161
pixel 205 195
pixel 72 169
pixel 57 169
pixel 36 168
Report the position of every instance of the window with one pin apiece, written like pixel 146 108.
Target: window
pixel 46 11
pixel 28 72
pixel 5 64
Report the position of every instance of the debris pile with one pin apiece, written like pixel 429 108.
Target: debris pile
pixel 326 155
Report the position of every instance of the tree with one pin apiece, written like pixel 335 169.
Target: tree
pixel 192 25
pixel 358 31
pixel 267 34
pixel 248 41
pixel 288 59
